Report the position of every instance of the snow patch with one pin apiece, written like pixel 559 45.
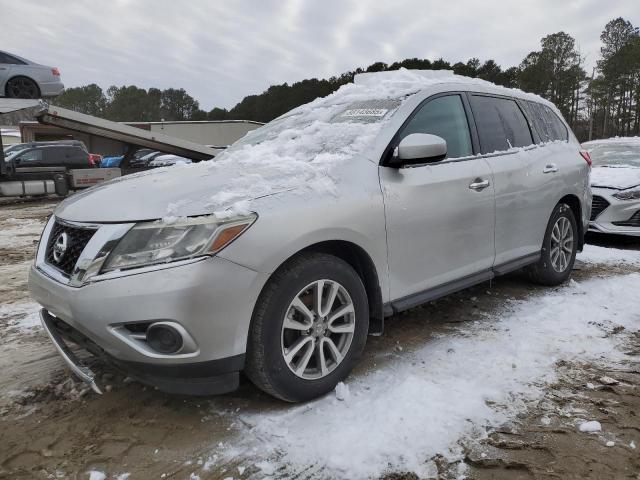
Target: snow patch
pixel 453 387
pixel 590 427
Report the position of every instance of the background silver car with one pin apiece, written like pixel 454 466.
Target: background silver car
pixel 279 257
pixel 22 78
pixel 615 182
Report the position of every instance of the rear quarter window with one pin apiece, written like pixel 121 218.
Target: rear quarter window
pixel 546 122
pixel 501 124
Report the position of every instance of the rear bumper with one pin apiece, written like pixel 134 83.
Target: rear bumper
pixel 202 378
pixel 51 89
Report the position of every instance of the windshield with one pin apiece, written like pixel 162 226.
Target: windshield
pixel 368 111
pixel 609 154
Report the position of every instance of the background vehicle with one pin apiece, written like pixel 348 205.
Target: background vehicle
pixel 95 160
pixel 22 78
pixel 282 255
pixel 38 168
pixel 168 160
pixel 615 181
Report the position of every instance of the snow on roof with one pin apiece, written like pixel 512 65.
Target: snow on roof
pixel 420 79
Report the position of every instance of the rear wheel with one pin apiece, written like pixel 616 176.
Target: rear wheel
pixel 309 328
pixel 22 87
pixel 558 249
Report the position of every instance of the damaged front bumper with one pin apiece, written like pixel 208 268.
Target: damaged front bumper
pixel 83 372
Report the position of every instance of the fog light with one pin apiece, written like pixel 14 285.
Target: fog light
pixel 164 338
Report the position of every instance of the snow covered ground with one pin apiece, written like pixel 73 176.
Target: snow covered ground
pixel 444 385
pixel 400 416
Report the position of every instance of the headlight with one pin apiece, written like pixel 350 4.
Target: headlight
pixel 150 243
pixel 628 195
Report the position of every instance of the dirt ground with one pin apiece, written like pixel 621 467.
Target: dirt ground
pixel 51 426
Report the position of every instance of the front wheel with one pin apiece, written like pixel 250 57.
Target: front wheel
pixel 558 249
pixel 309 328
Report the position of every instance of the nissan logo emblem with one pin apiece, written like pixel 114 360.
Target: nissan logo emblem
pixel 60 247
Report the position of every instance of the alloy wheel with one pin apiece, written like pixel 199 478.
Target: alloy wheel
pixel 561 244
pixel 22 88
pixel 318 329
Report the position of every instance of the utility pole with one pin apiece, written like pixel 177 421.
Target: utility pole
pixel 593 74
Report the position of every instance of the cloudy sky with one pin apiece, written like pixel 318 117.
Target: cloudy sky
pixel 222 50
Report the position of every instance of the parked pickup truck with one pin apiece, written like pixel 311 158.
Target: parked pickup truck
pixel 40 168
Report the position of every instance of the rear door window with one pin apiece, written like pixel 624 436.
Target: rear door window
pixel 501 124
pixel 446 118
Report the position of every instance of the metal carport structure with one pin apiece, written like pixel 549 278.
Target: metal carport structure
pixel 12 111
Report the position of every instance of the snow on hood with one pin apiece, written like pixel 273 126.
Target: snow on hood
pixel 615 176
pixel 297 151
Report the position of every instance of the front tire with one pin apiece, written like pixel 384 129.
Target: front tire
pixel 309 328
pixel 558 248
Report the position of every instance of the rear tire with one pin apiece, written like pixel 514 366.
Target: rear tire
pixel 558 249
pixel 328 349
pixel 22 87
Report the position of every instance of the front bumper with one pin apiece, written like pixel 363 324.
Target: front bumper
pixel 207 378
pixel 212 299
pixel 618 211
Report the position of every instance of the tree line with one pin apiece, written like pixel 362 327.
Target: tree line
pixel 599 105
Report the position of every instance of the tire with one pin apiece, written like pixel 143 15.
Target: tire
pixel 22 87
pixel 270 340
pixel 552 270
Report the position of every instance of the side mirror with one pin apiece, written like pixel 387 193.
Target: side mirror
pixel 419 148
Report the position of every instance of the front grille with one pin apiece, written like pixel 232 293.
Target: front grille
pixel 634 221
pixel 598 205
pixel 76 239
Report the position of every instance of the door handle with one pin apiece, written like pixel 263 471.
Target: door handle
pixel 551 168
pixel 479 184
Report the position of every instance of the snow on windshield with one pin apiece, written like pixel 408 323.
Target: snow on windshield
pixel 300 149
pixel 615 151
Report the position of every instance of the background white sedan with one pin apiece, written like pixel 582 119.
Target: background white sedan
pixel 22 78
pixel 615 182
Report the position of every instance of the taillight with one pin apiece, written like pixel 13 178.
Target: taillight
pixel 587 158
pixel 55 72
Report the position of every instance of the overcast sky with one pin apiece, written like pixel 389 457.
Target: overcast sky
pixel 220 51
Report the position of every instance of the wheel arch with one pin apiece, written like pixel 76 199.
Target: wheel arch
pixel 363 264
pixel 6 84
pixel 576 208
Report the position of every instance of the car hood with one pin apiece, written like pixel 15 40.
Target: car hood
pixel 173 191
pixel 619 177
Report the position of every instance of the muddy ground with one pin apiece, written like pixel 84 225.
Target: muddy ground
pixel 51 426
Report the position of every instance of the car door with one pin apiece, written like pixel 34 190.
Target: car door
pixel 29 164
pixel 5 67
pixel 523 190
pixel 439 216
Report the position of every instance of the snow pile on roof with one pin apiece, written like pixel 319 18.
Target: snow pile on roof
pixel 301 149
pixel 421 404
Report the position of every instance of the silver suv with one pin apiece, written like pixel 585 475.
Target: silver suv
pixel 279 257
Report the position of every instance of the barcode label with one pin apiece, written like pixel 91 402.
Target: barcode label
pixel 365 112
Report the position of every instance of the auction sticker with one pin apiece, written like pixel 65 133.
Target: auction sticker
pixel 365 112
